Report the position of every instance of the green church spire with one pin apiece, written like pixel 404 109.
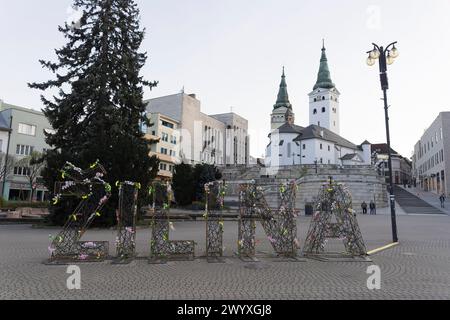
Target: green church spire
pixel 283 97
pixel 324 78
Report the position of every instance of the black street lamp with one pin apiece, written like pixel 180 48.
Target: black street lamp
pixel 386 56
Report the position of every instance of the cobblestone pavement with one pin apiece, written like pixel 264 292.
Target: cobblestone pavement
pixel 418 268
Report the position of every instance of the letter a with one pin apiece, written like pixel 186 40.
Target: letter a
pixel 74 280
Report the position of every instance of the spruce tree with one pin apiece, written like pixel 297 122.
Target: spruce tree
pixel 99 109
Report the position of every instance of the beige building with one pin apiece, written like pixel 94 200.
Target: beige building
pixel 220 139
pixel 164 133
pixel 431 158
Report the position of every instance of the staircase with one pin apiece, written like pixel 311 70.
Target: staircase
pixel 412 204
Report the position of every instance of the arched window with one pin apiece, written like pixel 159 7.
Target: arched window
pixel 315 111
pixel 315 99
pixel 323 109
pixel 323 98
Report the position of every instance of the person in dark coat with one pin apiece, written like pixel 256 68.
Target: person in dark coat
pixel 372 207
pixel 364 207
pixel 442 199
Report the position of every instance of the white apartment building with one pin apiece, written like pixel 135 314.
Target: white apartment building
pixel 219 139
pixel 431 158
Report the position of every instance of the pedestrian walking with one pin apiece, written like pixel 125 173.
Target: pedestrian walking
pixel 442 199
pixel 372 207
pixel 364 207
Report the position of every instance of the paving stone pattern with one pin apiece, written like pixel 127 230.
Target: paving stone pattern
pixel 419 268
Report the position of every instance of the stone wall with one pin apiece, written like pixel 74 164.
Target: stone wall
pixel 363 182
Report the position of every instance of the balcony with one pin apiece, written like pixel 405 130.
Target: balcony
pixel 151 137
pixel 164 157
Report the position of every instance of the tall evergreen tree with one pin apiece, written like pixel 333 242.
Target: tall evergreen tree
pixel 99 109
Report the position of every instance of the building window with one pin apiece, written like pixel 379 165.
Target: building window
pixel 323 109
pixel 21 171
pixel 24 150
pixel 315 111
pixel 329 149
pixel 163 150
pixel 173 139
pixel 165 137
pixel 304 146
pixel 321 147
pixel 27 129
pixel 323 98
pixel 167 124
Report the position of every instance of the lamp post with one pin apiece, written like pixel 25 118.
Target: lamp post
pixel 386 56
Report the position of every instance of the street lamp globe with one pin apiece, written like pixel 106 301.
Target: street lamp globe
pixel 370 62
pixel 374 54
pixel 394 52
pixel 389 59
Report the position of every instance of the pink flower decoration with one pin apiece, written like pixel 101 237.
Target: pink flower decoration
pixel 89 245
pixel 129 229
pixel 83 256
pixel 103 200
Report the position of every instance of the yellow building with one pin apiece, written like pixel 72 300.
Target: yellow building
pixel 163 131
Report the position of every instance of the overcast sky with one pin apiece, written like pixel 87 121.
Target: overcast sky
pixel 231 52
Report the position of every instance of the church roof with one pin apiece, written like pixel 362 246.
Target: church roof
pixel 315 132
pixel 324 77
pixel 350 156
pixel 290 128
pixel 283 97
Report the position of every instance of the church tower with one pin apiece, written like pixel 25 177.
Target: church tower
pixel 278 116
pixel 324 99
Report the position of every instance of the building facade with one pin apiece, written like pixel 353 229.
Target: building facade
pixel 320 142
pixel 401 166
pixel 164 134
pixel 431 158
pixel 220 139
pixel 27 135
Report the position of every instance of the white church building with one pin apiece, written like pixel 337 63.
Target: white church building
pixel 320 142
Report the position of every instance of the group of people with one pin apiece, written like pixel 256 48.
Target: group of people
pixel 372 207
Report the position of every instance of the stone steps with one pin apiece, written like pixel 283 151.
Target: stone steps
pixel 413 204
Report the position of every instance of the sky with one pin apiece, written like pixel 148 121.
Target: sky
pixel 230 53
